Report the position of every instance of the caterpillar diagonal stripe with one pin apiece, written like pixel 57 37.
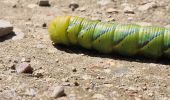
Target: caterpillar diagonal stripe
pixel 107 37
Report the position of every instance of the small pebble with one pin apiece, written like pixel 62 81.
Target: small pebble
pixel 44 3
pixel 40 46
pixel 58 92
pixel 76 84
pixel 82 9
pixel 99 96
pixel 24 68
pixel 30 92
pixel 12 66
pixel 39 73
pixel 147 6
pixel 86 77
pixel 112 10
pixel 26 60
pixel 74 69
pixel 129 10
pixel 5 28
pixel 32 6
pixel 18 34
pixel 14 6
pixel 73 6
pixel 44 25
pixel 103 2
pixel 66 84
pixel 150 94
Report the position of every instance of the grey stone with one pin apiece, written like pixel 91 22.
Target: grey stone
pixel 24 68
pixel 58 92
pixel 18 34
pixel 5 28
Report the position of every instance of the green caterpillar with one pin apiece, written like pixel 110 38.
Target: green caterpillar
pixel 107 37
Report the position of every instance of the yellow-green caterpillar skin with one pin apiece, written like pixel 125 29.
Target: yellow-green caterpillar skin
pixel 107 37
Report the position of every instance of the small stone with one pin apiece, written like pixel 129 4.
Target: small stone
pixel 112 10
pixel 56 60
pixel 26 60
pixel 44 3
pixel 103 2
pixel 82 9
pixel 86 77
pixel 5 28
pixel 32 6
pixel 30 92
pixel 129 10
pixel 147 6
pixel 99 96
pixel 73 6
pixel 130 18
pixel 39 73
pixel 100 77
pixel 150 94
pixel 74 69
pixel 107 70
pixel 58 92
pixel 44 25
pixel 144 88
pixel 137 98
pixel 24 68
pixel 40 46
pixel 18 34
pixel 12 66
pixel 76 84
pixel 14 6
pixel 65 79
pixel 94 18
pixel 108 85
pixel 66 83
pixel 72 97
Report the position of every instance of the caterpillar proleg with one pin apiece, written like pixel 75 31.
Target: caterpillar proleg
pixel 107 37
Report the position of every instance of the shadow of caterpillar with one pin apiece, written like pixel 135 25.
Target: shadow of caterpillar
pixel 107 37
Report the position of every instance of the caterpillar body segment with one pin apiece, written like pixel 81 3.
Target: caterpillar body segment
pixel 103 37
pixel 73 29
pixel 58 30
pixel 85 36
pixel 107 37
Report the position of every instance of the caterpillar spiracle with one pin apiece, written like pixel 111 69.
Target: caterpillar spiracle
pixel 108 37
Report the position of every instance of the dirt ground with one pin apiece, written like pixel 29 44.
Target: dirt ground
pixel 85 75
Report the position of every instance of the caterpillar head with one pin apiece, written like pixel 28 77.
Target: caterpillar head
pixel 58 30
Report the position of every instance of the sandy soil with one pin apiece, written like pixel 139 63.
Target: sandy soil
pixel 85 75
